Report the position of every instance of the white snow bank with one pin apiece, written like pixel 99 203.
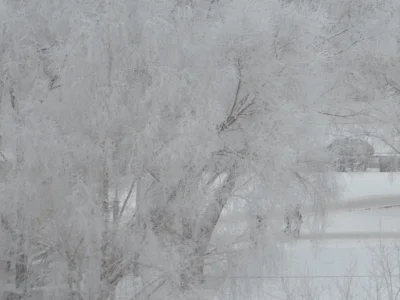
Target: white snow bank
pixel 361 185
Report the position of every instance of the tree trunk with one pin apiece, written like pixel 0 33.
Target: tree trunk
pixel 21 271
pixel 21 263
pixel 206 227
pixel 195 236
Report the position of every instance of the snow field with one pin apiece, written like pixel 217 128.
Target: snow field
pixel 356 257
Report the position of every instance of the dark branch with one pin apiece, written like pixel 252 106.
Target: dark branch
pixel 127 198
pixel 340 115
pixel 239 107
pixel 391 84
pixel 237 89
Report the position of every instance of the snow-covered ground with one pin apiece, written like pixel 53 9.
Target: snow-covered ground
pixel 356 186
pixel 357 257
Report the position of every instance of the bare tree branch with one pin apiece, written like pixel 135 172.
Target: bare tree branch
pixel 391 84
pixel 127 197
pixel 346 116
pixel 397 150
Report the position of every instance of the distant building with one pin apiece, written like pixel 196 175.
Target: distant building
pixel 385 158
pixel 350 154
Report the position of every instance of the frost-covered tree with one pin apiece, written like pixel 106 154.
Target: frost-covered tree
pixel 363 100
pixel 129 127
